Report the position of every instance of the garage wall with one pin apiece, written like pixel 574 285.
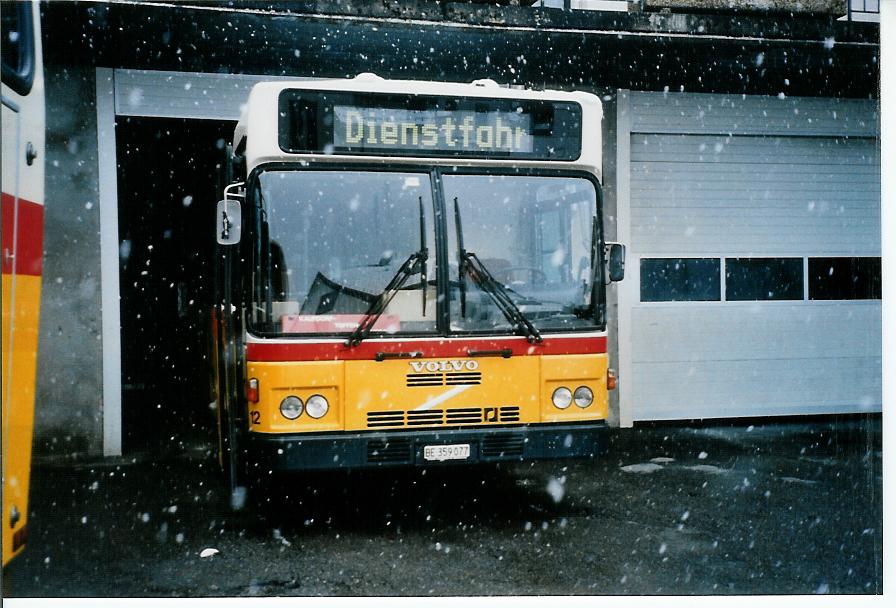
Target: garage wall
pixel 719 178
pixel 68 417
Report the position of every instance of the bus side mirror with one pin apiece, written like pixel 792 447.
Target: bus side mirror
pixel 228 223
pixel 616 261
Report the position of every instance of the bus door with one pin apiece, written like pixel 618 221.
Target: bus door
pixel 226 344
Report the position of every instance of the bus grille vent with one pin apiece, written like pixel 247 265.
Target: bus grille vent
pixel 393 451
pixel 424 379
pixel 509 413
pixel 451 416
pixel 446 379
pixel 502 446
pixel 464 415
pixel 463 378
pixel 379 419
pixel 421 417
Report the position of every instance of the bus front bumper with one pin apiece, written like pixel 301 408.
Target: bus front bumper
pixel 358 450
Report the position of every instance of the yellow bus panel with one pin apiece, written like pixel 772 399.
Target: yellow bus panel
pixel 18 406
pixel 424 393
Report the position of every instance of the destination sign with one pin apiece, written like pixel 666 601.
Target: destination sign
pixel 446 131
pixel 413 125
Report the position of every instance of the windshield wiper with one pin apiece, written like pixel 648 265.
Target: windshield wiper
pixel 468 263
pixel 408 268
pixel 424 251
pixel 416 262
pixel 461 260
pixel 484 279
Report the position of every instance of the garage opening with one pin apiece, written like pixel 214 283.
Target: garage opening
pixel 168 186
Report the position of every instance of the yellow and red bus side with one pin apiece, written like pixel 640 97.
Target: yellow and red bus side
pixel 21 312
pixel 21 253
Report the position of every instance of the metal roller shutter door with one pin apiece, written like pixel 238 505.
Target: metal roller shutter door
pixel 699 193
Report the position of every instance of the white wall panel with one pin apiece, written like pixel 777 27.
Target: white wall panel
pixel 741 331
pixel 749 359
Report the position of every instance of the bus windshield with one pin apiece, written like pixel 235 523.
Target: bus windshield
pixel 330 243
pixel 533 235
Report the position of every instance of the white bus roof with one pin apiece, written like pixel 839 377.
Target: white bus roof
pixel 259 124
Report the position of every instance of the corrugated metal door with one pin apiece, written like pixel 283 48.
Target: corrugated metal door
pixel 746 215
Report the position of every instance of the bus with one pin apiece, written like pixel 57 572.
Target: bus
pixel 410 274
pixel 22 251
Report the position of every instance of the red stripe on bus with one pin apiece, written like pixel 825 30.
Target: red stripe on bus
pixel 30 240
pixel 458 347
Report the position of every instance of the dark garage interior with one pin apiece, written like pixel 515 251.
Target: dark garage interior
pixel 168 186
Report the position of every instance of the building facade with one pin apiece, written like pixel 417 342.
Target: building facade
pixel 741 168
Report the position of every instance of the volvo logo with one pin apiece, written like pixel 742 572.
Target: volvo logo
pixel 444 366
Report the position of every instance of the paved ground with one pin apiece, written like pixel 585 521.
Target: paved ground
pixel 771 508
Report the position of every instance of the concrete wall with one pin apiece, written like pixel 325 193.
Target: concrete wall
pixel 68 415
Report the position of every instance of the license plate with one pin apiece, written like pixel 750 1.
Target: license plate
pixel 460 451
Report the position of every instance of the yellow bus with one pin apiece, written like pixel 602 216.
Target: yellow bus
pixel 411 274
pixel 22 250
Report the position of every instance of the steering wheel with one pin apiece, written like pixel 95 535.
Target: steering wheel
pixel 534 275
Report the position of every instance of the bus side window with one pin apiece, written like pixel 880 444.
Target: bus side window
pixel 18 46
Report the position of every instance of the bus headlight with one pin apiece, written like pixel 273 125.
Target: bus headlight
pixel 317 406
pixel 583 396
pixel 561 398
pixel 291 407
